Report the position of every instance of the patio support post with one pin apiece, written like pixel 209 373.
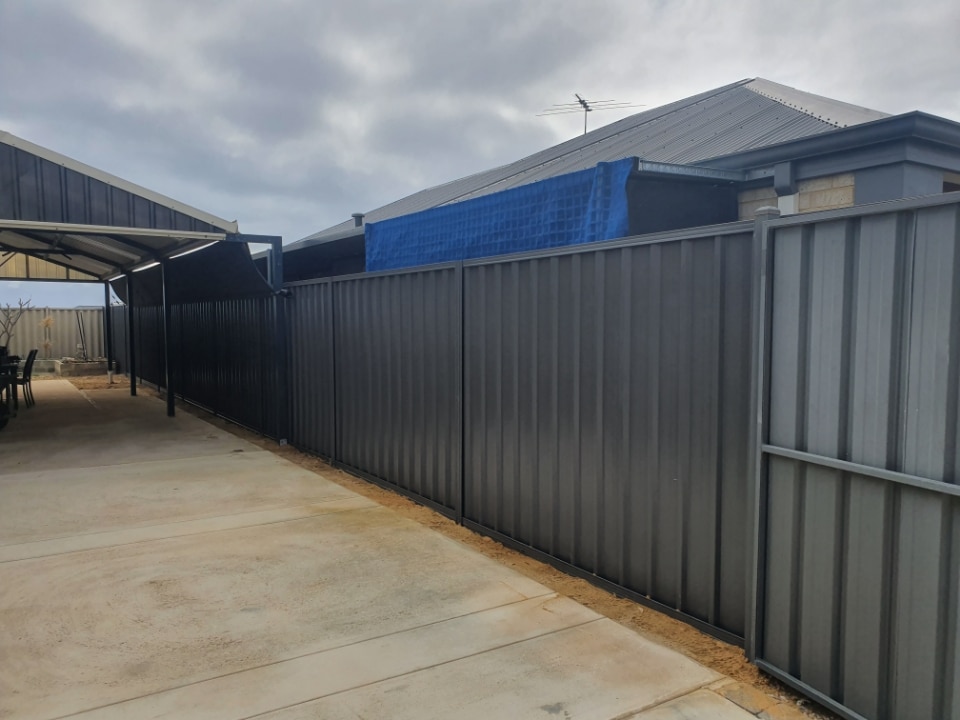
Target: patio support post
pixel 131 345
pixel 108 329
pixel 275 267
pixel 167 334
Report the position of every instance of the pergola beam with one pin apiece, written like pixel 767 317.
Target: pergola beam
pixel 60 249
pixel 108 230
pixel 39 255
pixel 119 249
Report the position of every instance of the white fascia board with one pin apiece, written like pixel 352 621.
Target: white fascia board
pixel 6 138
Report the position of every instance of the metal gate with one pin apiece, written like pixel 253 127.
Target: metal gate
pixel 858 548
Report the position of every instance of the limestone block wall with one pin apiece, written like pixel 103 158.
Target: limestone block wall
pixel 824 193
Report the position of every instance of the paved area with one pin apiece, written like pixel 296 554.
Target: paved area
pixel 162 568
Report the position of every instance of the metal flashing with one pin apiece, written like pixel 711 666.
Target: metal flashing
pixel 835 112
pixel 689 172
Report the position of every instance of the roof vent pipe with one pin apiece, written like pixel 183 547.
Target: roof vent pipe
pixel 357 219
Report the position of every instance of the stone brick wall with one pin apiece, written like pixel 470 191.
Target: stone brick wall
pixel 751 200
pixel 826 193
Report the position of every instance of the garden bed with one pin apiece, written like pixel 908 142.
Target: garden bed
pixel 74 368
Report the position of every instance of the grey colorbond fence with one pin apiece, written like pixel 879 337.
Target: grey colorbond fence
pixel 118 319
pixel 581 378
pixel 229 358
pixel 311 379
pixel 392 412
pixel 62 333
pixel 607 409
pixel 860 553
pixel 397 345
pixel 596 406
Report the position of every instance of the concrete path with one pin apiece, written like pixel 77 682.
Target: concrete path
pixel 158 568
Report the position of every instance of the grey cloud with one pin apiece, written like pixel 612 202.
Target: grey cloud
pixel 52 58
pixel 306 112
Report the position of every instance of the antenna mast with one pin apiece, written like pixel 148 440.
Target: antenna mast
pixel 586 106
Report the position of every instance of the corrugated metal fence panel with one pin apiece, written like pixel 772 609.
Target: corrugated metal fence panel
pixel 310 338
pixel 607 411
pixel 118 313
pixel 862 573
pixel 398 380
pixel 227 356
pixel 227 359
pixel 61 337
pixel 148 336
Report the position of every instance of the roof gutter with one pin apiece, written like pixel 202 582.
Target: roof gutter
pixel 909 125
pixel 689 172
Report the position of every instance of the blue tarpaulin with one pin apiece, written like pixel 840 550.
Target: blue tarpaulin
pixel 580 207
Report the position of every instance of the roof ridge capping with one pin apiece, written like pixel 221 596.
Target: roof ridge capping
pixel 12 140
pixel 834 112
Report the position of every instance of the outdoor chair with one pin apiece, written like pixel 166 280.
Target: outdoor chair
pixel 24 381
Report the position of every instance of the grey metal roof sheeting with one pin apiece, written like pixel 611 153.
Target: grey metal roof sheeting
pixel 63 220
pixel 743 116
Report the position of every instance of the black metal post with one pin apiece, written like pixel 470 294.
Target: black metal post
pixel 108 329
pixel 275 269
pixel 131 345
pixel 167 334
pixel 282 374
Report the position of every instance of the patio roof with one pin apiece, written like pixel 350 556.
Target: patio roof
pixel 63 220
pixel 33 250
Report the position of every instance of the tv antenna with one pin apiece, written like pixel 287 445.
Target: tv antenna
pixel 586 106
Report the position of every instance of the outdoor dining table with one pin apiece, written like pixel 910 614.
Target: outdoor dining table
pixel 8 388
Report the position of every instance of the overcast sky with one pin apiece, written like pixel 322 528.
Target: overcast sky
pixel 289 115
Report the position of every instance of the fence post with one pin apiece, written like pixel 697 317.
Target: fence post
pixel 759 303
pixel 280 339
pixel 461 392
pixel 108 330
pixel 167 333
pixel 131 345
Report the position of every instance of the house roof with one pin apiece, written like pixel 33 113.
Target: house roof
pixel 743 116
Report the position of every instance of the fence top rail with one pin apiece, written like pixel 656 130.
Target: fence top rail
pixel 369 275
pixel 701 232
pixel 880 208
pixel 740 227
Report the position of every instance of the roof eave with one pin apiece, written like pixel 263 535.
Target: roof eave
pixel 915 124
pixel 309 242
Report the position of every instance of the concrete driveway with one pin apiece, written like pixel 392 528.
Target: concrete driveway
pixel 162 568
